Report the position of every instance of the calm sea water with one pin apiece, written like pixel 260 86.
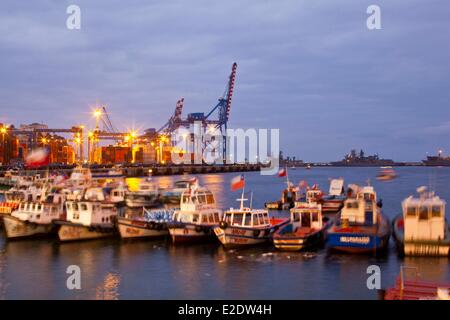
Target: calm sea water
pixel 112 269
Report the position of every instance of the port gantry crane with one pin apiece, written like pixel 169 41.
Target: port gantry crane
pixel 107 132
pixel 222 109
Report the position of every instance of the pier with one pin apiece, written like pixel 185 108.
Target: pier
pixel 153 170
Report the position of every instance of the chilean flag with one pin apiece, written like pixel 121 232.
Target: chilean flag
pixel 282 172
pixel 38 158
pixel 238 182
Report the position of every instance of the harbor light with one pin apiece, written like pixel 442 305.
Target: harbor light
pixel 97 113
pixel 3 129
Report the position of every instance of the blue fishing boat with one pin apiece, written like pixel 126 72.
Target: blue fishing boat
pixel 360 226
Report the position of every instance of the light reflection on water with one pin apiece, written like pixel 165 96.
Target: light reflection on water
pixel 112 269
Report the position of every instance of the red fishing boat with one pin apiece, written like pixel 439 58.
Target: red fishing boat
pixel 414 288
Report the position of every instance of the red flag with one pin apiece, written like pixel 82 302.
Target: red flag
pixel 38 158
pixel 238 182
pixel 282 172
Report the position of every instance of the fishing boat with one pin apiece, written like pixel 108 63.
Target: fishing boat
pixel 422 229
pixel 173 194
pixel 147 195
pixel 289 195
pixel 360 226
pixel 334 200
pixel 410 286
pixel 247 226
pixel 150 224
pixel 13 197
pixel 386 174
pixel 92 217
pixel 197 216
pixel 32 219
pixel 307 228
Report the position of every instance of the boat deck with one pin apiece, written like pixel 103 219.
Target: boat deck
pixel 414 290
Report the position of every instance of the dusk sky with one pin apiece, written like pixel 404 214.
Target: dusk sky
pixel 311 68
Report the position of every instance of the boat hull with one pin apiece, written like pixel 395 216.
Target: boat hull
pixel 233 236
pixel 18 229
pixel 76 232
pixel 190 233
pixel 133 229
pixel 291 242
pixel 353 242
pixel 417 247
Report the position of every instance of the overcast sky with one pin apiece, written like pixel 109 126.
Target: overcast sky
pixel 308 67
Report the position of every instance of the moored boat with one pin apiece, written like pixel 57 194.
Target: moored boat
pixel 422 229
pixel 334 200
pixel 247 226
pixel 360 227
pixel 412 287
pixel 197 216
pixel 289 195
pixel 150 224
pixel 32 219
pixel 307 228
pixel 92 217
pixel 173 194
pixel 146 196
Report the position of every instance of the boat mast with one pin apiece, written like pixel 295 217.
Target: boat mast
pixel 242 199
pixel 287 177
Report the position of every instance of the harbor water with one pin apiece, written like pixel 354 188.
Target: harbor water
pixel 115 269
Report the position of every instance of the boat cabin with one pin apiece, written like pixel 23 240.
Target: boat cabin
pixel 307 215
pixel 289 195
pixel 81 176
pixel 362 209
pixel 424 218
pixel 201 217
pixel 198 199
pixel 90 213
pixel 312 195
pixel 199 207
pixel 246 217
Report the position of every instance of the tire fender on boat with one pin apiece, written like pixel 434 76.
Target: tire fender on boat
pixel 256 233
pixel 223 225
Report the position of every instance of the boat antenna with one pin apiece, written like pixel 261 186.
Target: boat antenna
pixel 251 200
pixel 287 177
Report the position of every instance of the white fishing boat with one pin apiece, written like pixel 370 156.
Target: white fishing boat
pixel 247 226
pixel 92 217
pixel 173 194
pixel 150 224
pixel 422 229
pixel 18 194
pixel 197 216
pixel 386 174
pixel 146 196
pixel 33 219
pixel 80 177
